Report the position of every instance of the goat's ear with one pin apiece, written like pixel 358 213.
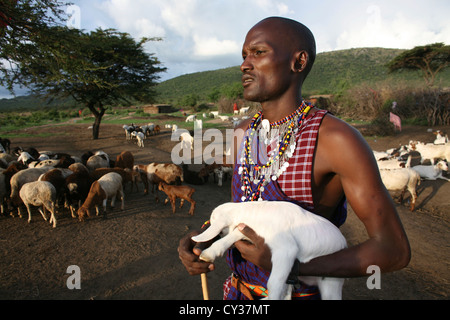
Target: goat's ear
pixel 208 234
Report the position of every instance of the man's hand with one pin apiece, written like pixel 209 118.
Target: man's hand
pixel 256 251
pixel 189 252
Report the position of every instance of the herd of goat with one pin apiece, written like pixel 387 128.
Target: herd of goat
pixel 44 179
pixel 397 173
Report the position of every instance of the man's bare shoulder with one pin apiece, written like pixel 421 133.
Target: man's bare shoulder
pixel 338 131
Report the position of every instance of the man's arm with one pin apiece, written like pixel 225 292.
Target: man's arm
pixel 344 152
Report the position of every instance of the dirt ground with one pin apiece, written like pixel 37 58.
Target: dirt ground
pixel 132 254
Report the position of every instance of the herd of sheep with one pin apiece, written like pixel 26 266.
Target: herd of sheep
pixel 50 180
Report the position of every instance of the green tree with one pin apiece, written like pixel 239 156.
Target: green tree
pixel 23 24
pixel 96 69
pixel 429 59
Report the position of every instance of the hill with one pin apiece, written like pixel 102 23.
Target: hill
pixel 333 72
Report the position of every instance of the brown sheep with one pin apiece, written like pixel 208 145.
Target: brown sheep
pixel 125 160
pixel 107 187
pixel 126 174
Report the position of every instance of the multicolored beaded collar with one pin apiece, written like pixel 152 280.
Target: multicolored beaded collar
pixel 280 139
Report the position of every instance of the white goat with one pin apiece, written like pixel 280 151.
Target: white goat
pixel 290 232
pixel 395 163
pixel 39 194
pixel 191 118
pixel 441 138
pixel 187 141
pixel 140 138
pixel 401 180
pixel 431 151
pixel 432 172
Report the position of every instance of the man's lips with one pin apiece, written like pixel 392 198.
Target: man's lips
pixel 246 80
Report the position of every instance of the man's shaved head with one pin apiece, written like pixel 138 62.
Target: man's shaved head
pixel 293 34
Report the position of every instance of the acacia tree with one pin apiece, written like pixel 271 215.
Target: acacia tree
pixel 22 23
pixel 429 59
pixel 97 69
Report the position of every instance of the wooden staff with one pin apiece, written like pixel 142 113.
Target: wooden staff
pixel 205 286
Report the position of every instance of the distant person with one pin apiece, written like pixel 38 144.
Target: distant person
pixel 330 164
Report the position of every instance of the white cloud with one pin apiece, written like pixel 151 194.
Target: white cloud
pixel 211 47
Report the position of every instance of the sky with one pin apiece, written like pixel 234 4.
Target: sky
pixel 201 35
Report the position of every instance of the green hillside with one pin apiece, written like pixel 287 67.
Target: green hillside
pixel 333 72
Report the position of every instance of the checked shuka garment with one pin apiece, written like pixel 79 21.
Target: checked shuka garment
pixel 294 185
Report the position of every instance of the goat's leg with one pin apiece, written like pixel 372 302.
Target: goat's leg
pixel 191 210
pixel 330 288
pixel 181 202
pixel 282 261
pixel 122 197
pixel 218 248
pixel 172 203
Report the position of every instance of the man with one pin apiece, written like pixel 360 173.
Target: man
pixel 331 164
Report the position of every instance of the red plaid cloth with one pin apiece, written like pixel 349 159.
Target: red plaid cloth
pixel 296 180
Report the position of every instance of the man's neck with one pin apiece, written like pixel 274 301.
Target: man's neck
pixel 275 111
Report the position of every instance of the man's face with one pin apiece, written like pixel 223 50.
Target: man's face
pixel 267 64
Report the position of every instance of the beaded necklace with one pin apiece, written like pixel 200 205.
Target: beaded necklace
pixel 280 138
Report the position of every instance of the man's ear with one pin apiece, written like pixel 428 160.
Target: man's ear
pixel 301 61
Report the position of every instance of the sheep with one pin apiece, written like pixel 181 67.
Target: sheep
pixel 431 151
pixel 57 177
pixel 39 193
pixel 6 159
pixel 140 138
pixel 432 172
pixel 127 175
pixel 97 161
pixel 401 180
pixel 156 172
pixel 174 128
pixel 77 187
pixel 108 186
pixel 22 177
pixel 290 231
pixel 63 162
pixel 125 160
pixel 183 192
pixel 168 172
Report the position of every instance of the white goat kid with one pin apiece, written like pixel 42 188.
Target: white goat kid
pixel 290 232
pixel 432 172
